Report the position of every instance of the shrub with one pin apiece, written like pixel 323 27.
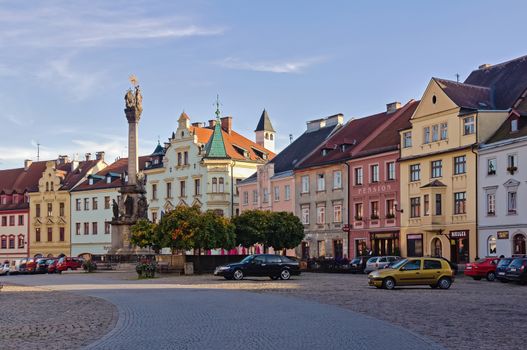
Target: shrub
pixel 89 266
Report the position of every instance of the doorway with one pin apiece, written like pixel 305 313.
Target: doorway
pixel 337 249
pixel 519 244
pixel 437 248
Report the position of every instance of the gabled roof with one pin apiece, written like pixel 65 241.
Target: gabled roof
pixel 73 177
pixel 504 131
pixel 215 148
pixel 466 95
pixel 19 180
pixel 265 123
pixel 159 150
pixel 435 183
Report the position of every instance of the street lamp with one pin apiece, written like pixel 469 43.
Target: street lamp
pixel 395 204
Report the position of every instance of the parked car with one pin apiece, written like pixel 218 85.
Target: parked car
pixel 27 265
pixel 357 265
pixel 4 269
pixel 434 272
pixel 485 267
pixel 501 269
pixel 273 266
pixel 41 265
pixel 379 262
pixel 68 263
pixel 52 265
pixel 517 271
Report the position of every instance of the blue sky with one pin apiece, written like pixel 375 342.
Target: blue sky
pixel 64 65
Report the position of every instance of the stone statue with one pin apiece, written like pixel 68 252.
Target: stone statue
pixel 129 205
pixel 129 99
pixel 142 208
pixel 138 99
pixel 141 181
pixel 115 208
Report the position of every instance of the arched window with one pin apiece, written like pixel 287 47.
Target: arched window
pixel 437 247
pixel 491 245
pixel 12 242
pixel 51 186
pixel 266 136
pixel 21 241
pixel 222 186
pixel 519 244
pixel 3 244
pixel 271 137
pixel 214 185
pixel 47 186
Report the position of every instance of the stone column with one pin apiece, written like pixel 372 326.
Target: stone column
pixel 132 150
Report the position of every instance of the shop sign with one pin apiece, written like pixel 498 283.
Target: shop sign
pixel 384 235
pixel 414 237
pixel 375 189
pixel 503 234
pixel 458 234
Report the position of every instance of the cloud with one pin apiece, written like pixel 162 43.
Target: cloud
pixel 17 120
pixel 292 66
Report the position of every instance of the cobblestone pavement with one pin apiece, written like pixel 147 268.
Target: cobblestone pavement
pixel 30 317
pixel 206 313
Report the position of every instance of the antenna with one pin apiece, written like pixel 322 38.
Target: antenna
pixel 290 138
pixel 457 77
pixel 38 151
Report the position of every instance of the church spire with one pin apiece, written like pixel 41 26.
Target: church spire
pixel 215 148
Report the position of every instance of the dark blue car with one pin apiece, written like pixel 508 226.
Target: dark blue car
pixel 501 269
pixel 273 266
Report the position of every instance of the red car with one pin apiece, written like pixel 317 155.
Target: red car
pixel 485 267
pixel 67 263
pixel 52 265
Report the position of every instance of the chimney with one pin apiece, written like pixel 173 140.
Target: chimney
pixel 212 123
pixel 88 156
pixel 198 124
pixel 336 119
pixel 226 124
pixel 392 107
pixel 27 163
pixel 314 125
pixel 485 65
pixel 63 159
pixel 100 155
pixel 74 164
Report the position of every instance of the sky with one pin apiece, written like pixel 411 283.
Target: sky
pixel 64 65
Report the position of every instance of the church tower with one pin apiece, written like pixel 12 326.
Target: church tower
pixel 265 134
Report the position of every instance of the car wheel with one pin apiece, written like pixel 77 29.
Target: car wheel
pixel 274 278
pixel 238 275
pixel 476 278
pixel 491 276
pixel 285 274
pixel 388 283
pixel 444 283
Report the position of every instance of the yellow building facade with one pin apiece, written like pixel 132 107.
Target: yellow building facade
pixel 50 207
pixel 438 167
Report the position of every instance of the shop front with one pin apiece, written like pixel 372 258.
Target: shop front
pixel 359 245
pixel 459 246
pixel 385 243
pixel 414 245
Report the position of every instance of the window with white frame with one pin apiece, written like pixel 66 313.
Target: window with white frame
pixel 491 246
pixel 358 176
pixel 390 171
pixel 436 168
pixel 415 172
pixel 255 196
pixel 276 193
pixel 435 132
pixel 444 131
pixel 321 214
pixel 491 166
pixel 358 211
pixel 305 215
pixel 460 200
pixel 407 139
pixel 321 182
pixel 245 197
pixel 426 134
pixel 265 195
pixel 221 185
pixel 337 179
pixel 460 165
pixel 491 204
pixel 337 213
pixel 512 163
pixel 214 184
pixel 512 199
pixel 287 192
pixel 374 173
pixel 469 127
pixel 305 184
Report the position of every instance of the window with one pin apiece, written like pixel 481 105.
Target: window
pixel 426 136
pixel 460 164
pixel 4 242
pixel 407 139
pixel 374 210
pixel 179 158
pixel 37 210
pixel 321 182
pixel 412 265
pixel 511 202
pixel 390 208
pixel 460 199
pixel 438 204
pixel 94 204
pixel 221 185
pixel 426 204
pixel 245 197
pixel 444 131
pixel 255 196
pixel 358 176
pixel 374 173
pixel 154 191
pixel 287 192
pixel 432 265
pixel 276 193
pixel 4 220
pixel 11 220
pixel 337 213
pixel 491 166
pixel 182 188
pixel 436 169
pixel 265 195
pixel 78 204
pixel 185 158
pixel 37 234
pixel 50 234
pixel 78 228
pixel 305 215
pixel 512 162
pixel 61 234
pixel 514 125
pixel 86 204
pixel 20 220
pixel 154 216
pixel 390 171
pixel 415 207
pixel 86 228
pixel 435 132
pixel 21 242
pixel 50 209
pixel 321 215
pixel 358 211
pixel 197 187
pixel 238 186
pixel 106 202
pixel 11 242
pixel 491 204
pixel 468 126
pixel 94 228
pixel 337 179
pixel 305 184
pixel 415 172
pixel 169 189
pixel 214 184
pixel 491 244
pixel 107 227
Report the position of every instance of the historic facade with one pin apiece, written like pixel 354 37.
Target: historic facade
pixel 202 166
pixel 50 204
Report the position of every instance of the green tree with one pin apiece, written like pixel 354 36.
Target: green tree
pixel 145 234
pixel 284 231
pixel 251 227
pixel 180 226
pixel 215 231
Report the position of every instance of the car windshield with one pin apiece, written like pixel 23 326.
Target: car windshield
pixel 504 262
pixel 355 261
pixel 372 260
pixel 516 263
pixel 247 259
pixel 398 263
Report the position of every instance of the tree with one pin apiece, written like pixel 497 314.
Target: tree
pixel 145 234
pixel 251 227
pixel 284 231
pixel 179 226
pixel 215 231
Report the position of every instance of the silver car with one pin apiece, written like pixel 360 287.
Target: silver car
pixel 4 269
pixel 379 262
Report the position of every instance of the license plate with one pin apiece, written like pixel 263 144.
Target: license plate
pixel 501 273
pixel 513 269
pixel 469 267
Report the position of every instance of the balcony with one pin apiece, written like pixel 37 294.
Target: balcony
pixel 433 222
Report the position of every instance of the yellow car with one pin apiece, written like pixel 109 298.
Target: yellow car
pixel 434 272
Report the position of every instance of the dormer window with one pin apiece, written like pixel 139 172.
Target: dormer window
pixel 90 181
pixel 108 179
pixel 514 125
pixel 342 147
pixel 324 152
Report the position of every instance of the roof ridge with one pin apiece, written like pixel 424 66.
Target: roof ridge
pixel 462 84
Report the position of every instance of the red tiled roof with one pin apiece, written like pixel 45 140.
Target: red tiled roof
pixel 73 177
pixel 19 180
pixel 467 95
